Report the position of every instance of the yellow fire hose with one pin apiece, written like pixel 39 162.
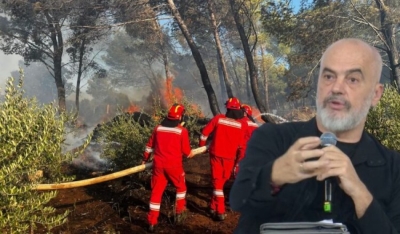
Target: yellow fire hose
pixel 100 179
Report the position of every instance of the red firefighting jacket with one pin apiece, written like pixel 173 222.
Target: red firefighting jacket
pixel 168 145
pixel 251 126
pixel 228 139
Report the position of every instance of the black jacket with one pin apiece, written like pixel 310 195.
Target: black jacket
pixel 377 166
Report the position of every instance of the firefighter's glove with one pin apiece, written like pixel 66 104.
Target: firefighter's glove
pixel 191 155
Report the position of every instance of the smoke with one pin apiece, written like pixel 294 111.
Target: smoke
pixel 90 158
pixel 9 63
pixel 76 137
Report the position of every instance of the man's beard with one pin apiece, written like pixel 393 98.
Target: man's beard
pixel 340 122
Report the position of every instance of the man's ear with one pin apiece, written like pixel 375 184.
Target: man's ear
pixel 378 92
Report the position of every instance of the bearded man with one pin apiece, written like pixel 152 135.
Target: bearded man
pixel 283 176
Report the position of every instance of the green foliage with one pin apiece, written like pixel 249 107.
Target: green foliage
pixel 124 140
pixel 191 123
pixel 31 138
pixel 383 120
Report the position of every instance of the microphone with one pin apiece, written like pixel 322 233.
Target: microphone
pixel 327 139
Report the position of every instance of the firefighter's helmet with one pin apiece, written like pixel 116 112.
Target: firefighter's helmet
pixel 233 103
pixel 247 109
pixel 176 112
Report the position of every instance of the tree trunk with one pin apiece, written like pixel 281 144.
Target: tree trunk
pixel 388 29
pixel 265 76
pixel 248 88
pixel 237 81
pixel 252 68
pixel 168 76
pixel 162 48
pixel 59 84
pixel 212 99
pixel 80 71
pixel 58 47
pixel 166 64
pixel 222 82
pixel 153 79
pixel 228 83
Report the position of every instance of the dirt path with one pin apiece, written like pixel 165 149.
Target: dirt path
pixel 121 206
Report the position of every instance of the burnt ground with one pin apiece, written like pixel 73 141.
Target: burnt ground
pixel 121 206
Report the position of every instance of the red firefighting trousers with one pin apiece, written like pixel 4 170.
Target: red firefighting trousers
pixel 221 169
pixel 159 181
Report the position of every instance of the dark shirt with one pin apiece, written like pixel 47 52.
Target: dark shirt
pixel 377 166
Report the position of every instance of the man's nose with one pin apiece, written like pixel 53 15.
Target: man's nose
pixel 338 86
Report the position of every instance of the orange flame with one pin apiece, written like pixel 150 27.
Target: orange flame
pixel 175 95
pixel 132 108
pixel 170 93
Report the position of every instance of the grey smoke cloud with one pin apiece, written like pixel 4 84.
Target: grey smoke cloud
pixel 8 63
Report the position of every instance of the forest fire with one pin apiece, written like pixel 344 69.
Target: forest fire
pixel 118 67
pixel 158 99
pixel 173 95
pixel 170 93
pixel 132 108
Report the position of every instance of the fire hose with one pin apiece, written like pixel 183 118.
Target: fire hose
pixel 100 179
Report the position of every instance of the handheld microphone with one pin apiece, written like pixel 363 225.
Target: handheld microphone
pixel 327 139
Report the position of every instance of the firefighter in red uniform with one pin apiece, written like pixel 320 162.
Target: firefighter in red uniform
pixel 252 125
pixel 227 143
pixel 168 143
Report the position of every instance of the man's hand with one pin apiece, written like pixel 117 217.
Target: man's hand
pixel 143 162
pixel 339 165
pixel 292 167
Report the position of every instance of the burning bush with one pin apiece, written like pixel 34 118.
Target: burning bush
pixel 31 139
pixel 383 120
